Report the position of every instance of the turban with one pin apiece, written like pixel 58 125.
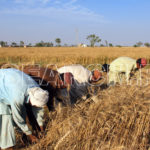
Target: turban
pixel 38 96
pixel 143 62
pixel 96 75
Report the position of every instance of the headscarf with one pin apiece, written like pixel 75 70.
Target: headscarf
pixel 96 75
pixel 38 96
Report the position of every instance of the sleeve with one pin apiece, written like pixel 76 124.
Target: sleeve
pixel 113 76
pixel 19 116
pixel 127 75
pixel 39 114
pixel 129 69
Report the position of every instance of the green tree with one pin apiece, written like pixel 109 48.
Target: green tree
pixel 58 41
pixel 139 44
pixel 65 45
pixel 135 45
pixel 93 39
pixel 3 44
pixel 44 44
pixel 102 45
pixel 47 44
pixel 39 44
pixel 110 45
pixel 29 45
pixel 147 44
pixel 21 43
pixel 118 46
pixel 14 44
pixel 106 42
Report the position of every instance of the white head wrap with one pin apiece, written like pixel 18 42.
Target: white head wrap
pixel 38 96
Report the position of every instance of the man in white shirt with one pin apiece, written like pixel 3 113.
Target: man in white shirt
pixel 82 79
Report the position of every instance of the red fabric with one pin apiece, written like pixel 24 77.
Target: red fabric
pixel 68 78
pixel 143 62
pixel 97 75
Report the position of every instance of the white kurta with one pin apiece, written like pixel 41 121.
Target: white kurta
pixel 121 65
pixel 81 77
pixel 80 73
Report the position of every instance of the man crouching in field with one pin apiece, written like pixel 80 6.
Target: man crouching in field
pixel 82 79
pixel 17 89
pixel 51 81
pixel 124 65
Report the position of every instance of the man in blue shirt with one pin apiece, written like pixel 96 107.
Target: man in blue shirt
pixel 16 90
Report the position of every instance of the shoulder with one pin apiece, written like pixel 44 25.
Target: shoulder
pixel 70 67
pixel 123 60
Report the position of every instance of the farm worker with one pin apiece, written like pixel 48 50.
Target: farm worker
pixel 82 79
pixel 17 89
pixel 51 81
pixel 124 65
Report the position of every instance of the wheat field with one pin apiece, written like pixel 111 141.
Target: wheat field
pixel 69 55
pixel 116 118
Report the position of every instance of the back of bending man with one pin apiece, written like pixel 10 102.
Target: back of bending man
pixel 124 65
pixel 17 89
pixel 82 79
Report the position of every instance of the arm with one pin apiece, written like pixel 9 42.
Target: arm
pixel 19 116
pixel 39 115
pixel 127 76
pixel 130 68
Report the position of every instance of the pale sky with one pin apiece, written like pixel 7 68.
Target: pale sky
pixel 122 22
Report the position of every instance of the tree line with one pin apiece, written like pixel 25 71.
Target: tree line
pixel 93 39
pixel 39 44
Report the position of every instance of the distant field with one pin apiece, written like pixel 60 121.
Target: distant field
pixel 69 55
